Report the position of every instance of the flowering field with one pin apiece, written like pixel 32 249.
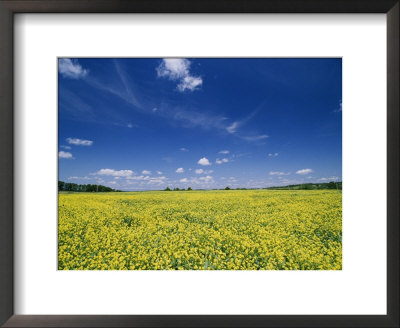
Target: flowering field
pixel 201 230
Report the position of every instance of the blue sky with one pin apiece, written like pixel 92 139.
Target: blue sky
pixel 144 124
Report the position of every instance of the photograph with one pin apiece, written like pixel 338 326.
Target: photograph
pixel 181 163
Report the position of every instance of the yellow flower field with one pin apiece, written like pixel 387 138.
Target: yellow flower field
pixel 201 230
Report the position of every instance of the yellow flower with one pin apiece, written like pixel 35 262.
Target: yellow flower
pixel 201 230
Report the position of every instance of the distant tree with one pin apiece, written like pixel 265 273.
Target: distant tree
pixel 308 186
pixel 189 188
pixel 61 185
pixel 227 188
pixel 176 189
pixel 167 189
pixel 331 185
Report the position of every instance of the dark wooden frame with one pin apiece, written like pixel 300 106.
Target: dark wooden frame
pixel 7 10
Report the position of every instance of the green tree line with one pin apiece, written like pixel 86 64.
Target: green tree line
pixel 68 186
pixel 312 186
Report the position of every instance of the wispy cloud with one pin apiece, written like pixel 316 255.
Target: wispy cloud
pixel 159 172
pixel 223 152
pixel 180 170
pixel 278 173
pixel 75 106
pixel 126 125
pixel 65 147
pixel 145 179
pixel 178 69
pixel 201 171
pixel 70 68
pixel 128 95
pixel 146 172
pixel 304 171
pixel 333 178
pixel 125 93
pixel 339 109
pixel 207 179
pixel 204 161
pixel 233 127
pixel 183 149
pixel 255 138
pixel 78 178
pixel 79 142
pixel 204 181
pixel 114 173
pixel 273 154
pixel 65 154
pixel 157 180
pixel 191 118
pixel 221 161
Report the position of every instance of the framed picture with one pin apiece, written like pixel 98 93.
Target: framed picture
pixel 199 164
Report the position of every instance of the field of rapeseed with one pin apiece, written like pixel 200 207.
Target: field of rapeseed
pixel 201 230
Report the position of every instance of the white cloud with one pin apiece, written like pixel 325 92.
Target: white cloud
pixel 232 128
pixel 178 69
pixel 329 179
pixel 278 173
pixel 204 180
pixel 64 154
pixel 304 171
pixel 221 161
pixel 204 161
pixel 201 171
pixel 138 177
pixel 146 172
pixel 157 180
pixel 174 68
pixel 273 154
pixel 79 142
pixel 70 68
pixel 235 125
pixel 142 180
pixel 159 172
pixel 190 83
pixel 78 178
pixel 183 149
pixel 207 179
pixel 255 138
pixel 155 109
pixel 224 152
pixel 180 170
pixel 115 173
pixel 65 147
